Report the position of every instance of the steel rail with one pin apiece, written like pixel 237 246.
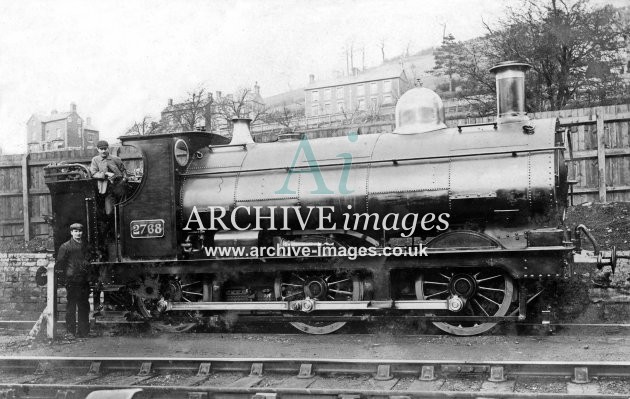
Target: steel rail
pixel 142 369
pixel 21 325
pixel 175 391
pixel 403 367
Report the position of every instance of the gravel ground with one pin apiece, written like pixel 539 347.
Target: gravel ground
pixel 563 347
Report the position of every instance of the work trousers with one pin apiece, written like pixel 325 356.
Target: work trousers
pixel 78 295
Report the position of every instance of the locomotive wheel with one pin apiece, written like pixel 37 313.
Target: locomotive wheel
pixel 325 287
pixel 487 293
pixel 177 291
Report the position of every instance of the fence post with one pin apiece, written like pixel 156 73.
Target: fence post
pixel 25 208
pixel 51 301
pixel 601 153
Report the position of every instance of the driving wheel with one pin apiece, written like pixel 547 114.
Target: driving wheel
pixel 485 292
pixel 320 286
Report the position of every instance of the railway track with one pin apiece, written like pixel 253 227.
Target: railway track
pixel 225 378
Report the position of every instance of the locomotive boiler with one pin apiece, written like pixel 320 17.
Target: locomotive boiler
pixel 451 225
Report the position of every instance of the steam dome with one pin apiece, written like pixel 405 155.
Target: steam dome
pixel 419 110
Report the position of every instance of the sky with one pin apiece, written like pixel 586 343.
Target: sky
pixel 122 60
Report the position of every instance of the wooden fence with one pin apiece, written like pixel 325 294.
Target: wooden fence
pixel 600 147
pixel 24 197
pixel 600 164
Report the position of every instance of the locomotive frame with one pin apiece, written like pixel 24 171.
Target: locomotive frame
pixel 506 231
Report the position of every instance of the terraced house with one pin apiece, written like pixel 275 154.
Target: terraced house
pixel 362 91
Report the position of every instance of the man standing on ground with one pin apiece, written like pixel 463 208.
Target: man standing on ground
pixel 73 260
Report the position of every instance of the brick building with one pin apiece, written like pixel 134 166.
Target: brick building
pixel 60 130
pixel 363 91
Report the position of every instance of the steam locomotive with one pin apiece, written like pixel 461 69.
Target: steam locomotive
pixel 344 221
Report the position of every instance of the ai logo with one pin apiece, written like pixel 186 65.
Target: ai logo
pixel 313 168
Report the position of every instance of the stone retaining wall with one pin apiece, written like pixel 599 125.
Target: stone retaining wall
pixel 20 297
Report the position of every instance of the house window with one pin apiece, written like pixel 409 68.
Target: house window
pixel 58 133
pixel 374 102
pixel 327 108
pixel 339 106
pixel 360 90
pixel 314 110
pixel 327 94
pixel 373 88
pixel 387 86
pixel 70 119
pixel 79 122
pixel 387 99
pixel 361 104
pixel 315 95
pixel 339 92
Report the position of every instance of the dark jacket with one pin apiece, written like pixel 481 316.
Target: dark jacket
pixel 73 259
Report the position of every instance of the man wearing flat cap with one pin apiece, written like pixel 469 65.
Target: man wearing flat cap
pixel 111 175
pixel 73 262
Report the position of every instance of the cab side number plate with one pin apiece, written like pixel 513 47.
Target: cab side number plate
pixel 147 228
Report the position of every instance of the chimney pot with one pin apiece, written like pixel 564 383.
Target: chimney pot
pixel 73 107
pixel 311 78
pixel 53 112
pixel 218 94
pixel 88 121
pixel 170 102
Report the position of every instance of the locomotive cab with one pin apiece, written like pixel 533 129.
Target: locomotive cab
pixel 149 219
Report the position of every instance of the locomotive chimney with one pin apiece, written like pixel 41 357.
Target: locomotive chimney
pixel 240 132
pixel 510 83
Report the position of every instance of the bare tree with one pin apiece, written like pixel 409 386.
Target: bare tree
pixel 210 113
pixel 381 45
pixel 145 127
pixel 189 115
pixel 243 104
pixel 408 48
pixel 286 116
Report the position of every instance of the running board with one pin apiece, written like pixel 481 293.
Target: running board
pixel 309 305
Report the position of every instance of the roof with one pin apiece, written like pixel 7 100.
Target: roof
pixel 50 118
pixel 379 73
pixel 289 97
pixel 56 117
pixel 89 127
